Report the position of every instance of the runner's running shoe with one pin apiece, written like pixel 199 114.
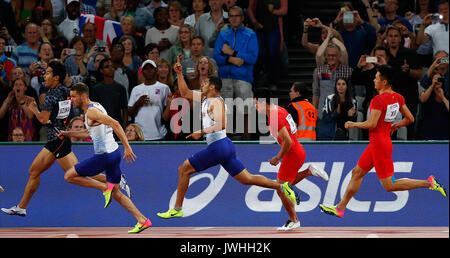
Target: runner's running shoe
pixel 333 210
pixel 124 185
pixel 434 185
pixel 15 210
pixel 171 213
pixel 292 194
pixel 107 194
pixel 315 171
pixel 289 225
pixel 140 227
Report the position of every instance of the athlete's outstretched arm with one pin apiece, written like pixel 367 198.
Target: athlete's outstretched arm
pixel 368 124
pixel 408 118
pixel 79 134
pixel 96 115
pixel 182 85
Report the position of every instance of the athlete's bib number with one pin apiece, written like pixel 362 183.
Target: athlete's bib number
pixel 64 109
pixel 391 112
pixel 291 124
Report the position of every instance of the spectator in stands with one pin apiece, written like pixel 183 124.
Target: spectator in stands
pixel 77 124
pixel 190 64
pixel 122 74
pixel 148 103
pixel 163 34
pixel 103 6
pixel 364 74
pixel 165 72
pixel 183 44
pixel 265 18
pixel 423 8
pixel 359 37
pixel 439 65
pixel 37 69
pixel 408 71
pixel 8 25
pixel 130 58
pixel 128 25
pixel 7 64
pixel 328 34
pixel 236 62
pixel 437 32
pixel 154 4
pixel 117 10
pixel 89 37
pixel 142 17
pixel 26 54
pixel 110 94
pixel 24 8
pixel 49 33
pixel 69 28
pixel 94 75
pixel 75 62
pixel 15 108
pixel 303 112
pixel 203 69
pixel 210 24
pixel 199 8
pixel 435 123
pixel 339 108
pixel 17 135
pixel 324 79
pixel 409 38
pixel 134 133
pixel 151 53
pixel 175 13
pixel 390 9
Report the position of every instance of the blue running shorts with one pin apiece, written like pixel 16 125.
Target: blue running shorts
pixel 108 162
pixel 219 152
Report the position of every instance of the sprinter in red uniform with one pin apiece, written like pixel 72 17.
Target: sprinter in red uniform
pixel 292 154
pixel 383 109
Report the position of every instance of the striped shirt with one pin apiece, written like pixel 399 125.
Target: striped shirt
pixel 324 80
pixel 24 56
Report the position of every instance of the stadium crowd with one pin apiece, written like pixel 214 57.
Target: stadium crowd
pixel 241 41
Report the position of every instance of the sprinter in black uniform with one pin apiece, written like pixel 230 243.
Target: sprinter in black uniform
pixel 54 114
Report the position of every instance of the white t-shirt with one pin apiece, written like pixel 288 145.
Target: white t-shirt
pixel 69 28
pixel 438 33
pixel 149 116
pixel 154 36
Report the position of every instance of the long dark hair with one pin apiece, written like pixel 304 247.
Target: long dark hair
pixel 348 102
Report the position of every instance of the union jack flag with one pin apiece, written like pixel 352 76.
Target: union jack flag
pixel 107 30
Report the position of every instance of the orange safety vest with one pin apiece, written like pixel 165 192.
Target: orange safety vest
pixel 307 116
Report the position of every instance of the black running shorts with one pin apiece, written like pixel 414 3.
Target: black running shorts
pixel 59 147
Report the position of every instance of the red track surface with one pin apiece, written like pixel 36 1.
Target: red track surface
pixel 228 232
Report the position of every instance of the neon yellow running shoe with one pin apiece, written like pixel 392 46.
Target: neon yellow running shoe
pixel 434 185
pixel 171 213
pixel 107 194
pixel 333 210
pixel 290 193
pixel 140 227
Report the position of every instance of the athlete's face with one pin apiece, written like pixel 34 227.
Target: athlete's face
pixel 379 82
pixel 260 106
pixel 76 99
pixel 50 80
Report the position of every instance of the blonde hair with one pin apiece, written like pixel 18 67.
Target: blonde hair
pixel 211 68
pixel 170 78
pixel 139 134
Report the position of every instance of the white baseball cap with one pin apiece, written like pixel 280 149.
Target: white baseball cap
pixel 70 1
pixel 148 61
